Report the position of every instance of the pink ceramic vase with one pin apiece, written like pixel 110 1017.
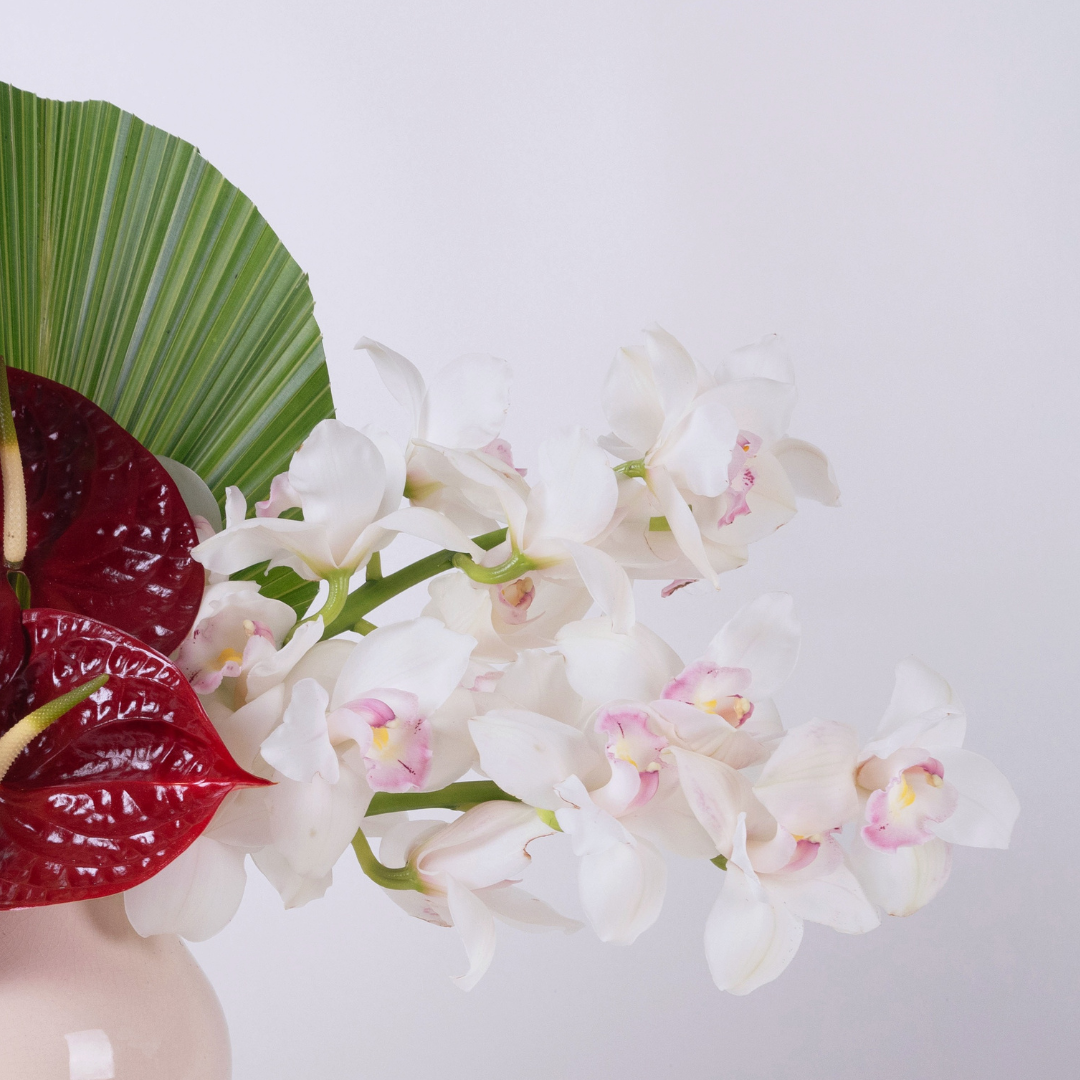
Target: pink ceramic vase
pixel 83 997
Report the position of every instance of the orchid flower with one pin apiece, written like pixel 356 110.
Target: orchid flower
pixel 922 793
pixel 718 471
pixel 236 629
pixel 462 409
pixel 557 768
pixel 467 871
pixel 349 486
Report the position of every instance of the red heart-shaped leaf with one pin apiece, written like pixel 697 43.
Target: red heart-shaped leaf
pixel 116 788
pixel 108 533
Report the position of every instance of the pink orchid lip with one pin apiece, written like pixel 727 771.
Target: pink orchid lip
pixel 630 740
pixel 713 689
pixel 899 811
pixel 741 478
pixel 398 757
pixel 806 851
pixel 515 599
pixel 673 587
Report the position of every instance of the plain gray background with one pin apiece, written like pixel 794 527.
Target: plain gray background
pixel 893 186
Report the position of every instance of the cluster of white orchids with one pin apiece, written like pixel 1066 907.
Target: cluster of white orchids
pixel 528 700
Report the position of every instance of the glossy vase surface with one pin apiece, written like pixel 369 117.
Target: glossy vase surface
pixel 83 997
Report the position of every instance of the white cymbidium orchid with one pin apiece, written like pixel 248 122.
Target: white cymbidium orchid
pixel 540 577
pixel 461 409
pixel 236 629
pixel 719 705
pixel 923 793
pixel 349 486
pixel 783 862
pixel 468 871
pixel 718 469
pixel 558 768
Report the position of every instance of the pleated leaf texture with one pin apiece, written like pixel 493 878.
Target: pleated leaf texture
pixel 132 271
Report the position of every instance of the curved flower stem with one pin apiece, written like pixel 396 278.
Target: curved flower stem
pixel 14 482
pixel 16 738
pixel 632 469
pixel 508 570
pixel 337 594
pixel 373 593
pixel 459 796
pixel 389 877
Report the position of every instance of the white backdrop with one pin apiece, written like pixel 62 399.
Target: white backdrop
pixel 891 186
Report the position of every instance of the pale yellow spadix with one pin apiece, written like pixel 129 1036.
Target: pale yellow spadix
pixel 14 484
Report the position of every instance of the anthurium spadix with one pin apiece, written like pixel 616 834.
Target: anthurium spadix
pixel 462 409
pixel 922 793
pixel 466 876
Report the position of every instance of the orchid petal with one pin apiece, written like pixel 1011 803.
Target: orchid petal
pixel 698 450
pixel 622 890
pixel 602 665
pixel 431 526
pixel 675 373
pixel 765 359
pixel 195 896
pixel 760 406
pixel 474 922
pixel 719 796
pixel 300 748
pixel 809 470
pixel 419 656
pixel 527 754
pixel 987 807
pixel 607 583
pixel 809 782
pixel 631 403
pixel 749 938
pixel 834 899
pixel 399 376
pixel 467 402
pixel 684 528
pixel 521 910
pixel 905 880
pixel 763 637
pixel 577 493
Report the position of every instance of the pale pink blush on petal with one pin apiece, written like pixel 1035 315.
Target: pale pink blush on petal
pixel 631 740
pixel 515 599
pixel 713 689
pixel 741 478
pixel 898 814
pixel 674 586
pixel 500 450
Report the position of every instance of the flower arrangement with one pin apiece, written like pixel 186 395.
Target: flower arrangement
pixel 182 692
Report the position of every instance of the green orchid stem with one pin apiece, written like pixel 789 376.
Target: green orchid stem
pixel 389 877
pixel 11 471
pixel 18 737
pixel 373 593
pixel 508 570
pixel 719 861
pixel 632 469
pixel 459 796
pixel 337 594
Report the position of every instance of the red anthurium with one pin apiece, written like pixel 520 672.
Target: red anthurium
pixel 108 534
pixel 119 785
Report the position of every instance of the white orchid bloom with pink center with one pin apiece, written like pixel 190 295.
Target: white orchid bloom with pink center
pixel 468 871
pixel 235 629
pixel 783 861
pixel 718 469
pixel 383 713
pixel 349 486
pixel 591 790
pixel 461 409
pixel 922 793
pixel 721 704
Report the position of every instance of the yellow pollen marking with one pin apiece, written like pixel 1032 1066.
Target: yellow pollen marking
pixel 934 780
pixel 741 707
pixel 708 706
pixel 906 795
pixel 380 736
pixel 623 751
pixel 249 628
pixel 226 655
pixel 746 448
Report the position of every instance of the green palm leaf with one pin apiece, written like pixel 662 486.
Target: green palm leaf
pixel 134 272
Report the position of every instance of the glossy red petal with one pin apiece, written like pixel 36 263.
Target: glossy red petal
pixel 108 533
pixel 12 637
pixel 116 788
